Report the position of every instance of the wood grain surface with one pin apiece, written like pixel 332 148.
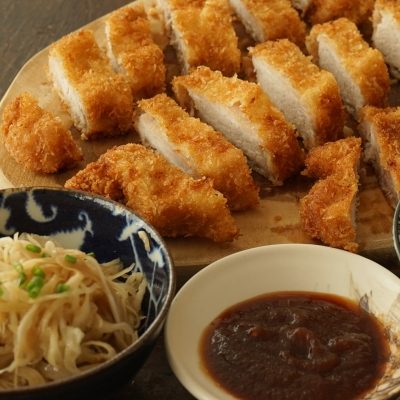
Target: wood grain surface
pixel 275 221
pixel 28 26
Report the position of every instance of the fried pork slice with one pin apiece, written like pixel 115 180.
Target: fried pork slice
pixel 133 52
pixel 197 149
pixel 380 129
pixel 269 20
pixel 386 32
pixel 36 138
pixel 326 160
pixel 245 116
pixel 99 100
pixel 358 11
pixel 328 211
pixel 202 33
pixel 360 71
pixel 173 202
pixel 308 96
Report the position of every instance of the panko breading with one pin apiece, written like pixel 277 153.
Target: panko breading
pixel 359 69
pixel 197 149
pixel 308 96
pixel 386 32
pixel 269 20
pixel 37 139
pixel 202 34
pixel 327 212
pixel 327 159
pixel 358 11
pixel 99 100
pixel 380 129
pixel 245 116
pixel 173 202
pixel 132 51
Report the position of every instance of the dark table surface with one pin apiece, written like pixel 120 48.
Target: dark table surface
pixel 27 26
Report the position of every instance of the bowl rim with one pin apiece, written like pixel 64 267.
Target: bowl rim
pixel 186 377
pixel 396 229
pixel 147 334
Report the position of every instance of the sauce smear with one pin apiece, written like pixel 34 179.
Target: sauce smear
pixel 295 345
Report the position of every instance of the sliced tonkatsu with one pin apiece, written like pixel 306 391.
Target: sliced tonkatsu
pixel 307 95
pixel 197 149
pixel 246 117
pixel 360 70
pixel 269 20
pixel 172 201
pixel 37 139
pixel 380 129
pixel 202 33
pixel 99 100
pixel 328 211
pixel 131 48
pixel 386 32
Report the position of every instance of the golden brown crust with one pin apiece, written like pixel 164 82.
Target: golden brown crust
pixel 133 47
pixel 37 139
pixel 205 28
pixel 174 203
pixel 278 19
pixel 105 95
pixel 277 137
pixel 386 130
pixel 326 211
pixel 327 159
pixel 358 11
pixel 206 151
pixel 364 64
pixel 317 87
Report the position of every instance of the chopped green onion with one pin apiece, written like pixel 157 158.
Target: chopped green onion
pixel 44 255
pixel 62 287
pixel 37 271
pixel 1 290
pixel 21 274
pixel 34 286
pixel 21 279
pixel 18 266
pixel 91 254
pixel 70 259
pixel 33 248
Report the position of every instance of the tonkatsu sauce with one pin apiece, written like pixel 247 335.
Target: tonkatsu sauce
pixel 295 345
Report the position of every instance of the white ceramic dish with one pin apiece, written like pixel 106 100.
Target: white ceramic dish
pixel 269 269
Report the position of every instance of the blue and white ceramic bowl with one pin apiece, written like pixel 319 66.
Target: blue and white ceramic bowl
pixel 93 224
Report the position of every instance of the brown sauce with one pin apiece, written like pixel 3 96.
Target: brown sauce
pixel 295 345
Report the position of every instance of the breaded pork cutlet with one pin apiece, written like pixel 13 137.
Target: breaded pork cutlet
pixel 173 202
pixel 386 32
pixel 328 211
pixel 99 100
pixel 380 129
pixel 197 149
pixel 359 70
pixel 271 19
pixel 202 33
pixel 37 139
pixel 358 11
pixel 246 117
pixel 133 52
pixel 308 96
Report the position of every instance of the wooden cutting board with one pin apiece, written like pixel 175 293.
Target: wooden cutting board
pixel 275 221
